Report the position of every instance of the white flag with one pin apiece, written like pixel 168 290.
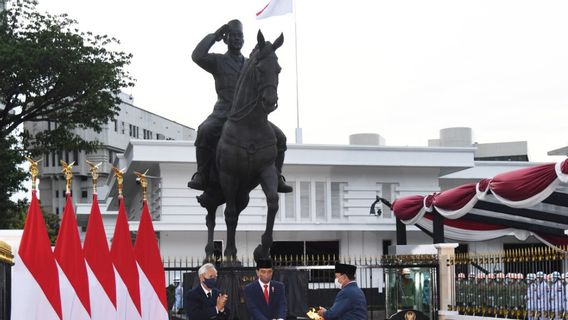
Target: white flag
pixel 275 8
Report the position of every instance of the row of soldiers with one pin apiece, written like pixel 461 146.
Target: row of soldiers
pixel 539 296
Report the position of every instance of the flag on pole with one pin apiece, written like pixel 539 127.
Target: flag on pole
pixel 73 279
pixel 152 276
pixel 35 279
pixel 102 285
pixel 124 260
pixel 275 8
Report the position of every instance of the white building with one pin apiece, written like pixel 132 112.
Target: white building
pixel 328 212
pixel 131 123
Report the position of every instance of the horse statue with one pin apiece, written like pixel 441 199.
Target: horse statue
pixel 246 151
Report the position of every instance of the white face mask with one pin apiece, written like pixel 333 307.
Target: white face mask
pixel 337 283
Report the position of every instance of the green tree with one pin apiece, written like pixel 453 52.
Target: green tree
pixel 51 71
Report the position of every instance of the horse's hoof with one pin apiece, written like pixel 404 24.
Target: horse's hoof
pixel 209 250
pixel 232 262
pixel 260 253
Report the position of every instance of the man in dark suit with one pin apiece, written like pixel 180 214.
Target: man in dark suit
pixel 350 302
pixel 205 301
pixel 265 298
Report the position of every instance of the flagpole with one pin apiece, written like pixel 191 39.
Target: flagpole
pixel 298 128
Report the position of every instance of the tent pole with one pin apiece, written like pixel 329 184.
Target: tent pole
pixel 438 228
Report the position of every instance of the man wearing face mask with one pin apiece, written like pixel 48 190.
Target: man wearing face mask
pixel 350 302
pixel 265 298
pixel 205 301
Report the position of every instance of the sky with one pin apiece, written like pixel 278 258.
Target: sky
pixel 403 69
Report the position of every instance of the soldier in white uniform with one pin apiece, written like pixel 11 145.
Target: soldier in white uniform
pixel 532 289
pixel 556 289
pixel 542 297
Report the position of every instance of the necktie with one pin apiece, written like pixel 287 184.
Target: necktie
pixel 266 293
pixel 208 295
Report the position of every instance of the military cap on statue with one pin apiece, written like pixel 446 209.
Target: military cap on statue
pixel 347 269
pixel 264 264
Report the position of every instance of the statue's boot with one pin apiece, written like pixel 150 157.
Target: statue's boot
pixel 199 179
pixel 279 162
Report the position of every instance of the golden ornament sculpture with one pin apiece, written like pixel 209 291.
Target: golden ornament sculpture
pixel 94 170
pixel 142 178
pixel 68 172
pixel 118 174
pixel 34 170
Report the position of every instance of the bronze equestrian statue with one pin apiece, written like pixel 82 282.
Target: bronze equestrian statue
pixel 246 148
pixel 225 69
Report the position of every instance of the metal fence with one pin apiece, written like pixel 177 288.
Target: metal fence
pixel 517 283
pixel 318 271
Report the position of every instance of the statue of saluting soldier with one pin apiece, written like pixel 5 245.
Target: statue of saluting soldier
pixel 225 69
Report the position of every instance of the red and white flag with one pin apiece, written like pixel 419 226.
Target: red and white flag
pixel 35 279
pixel 73 279
pixel 124 260
pixel 275 8
pixel 102 285
pixel 152 276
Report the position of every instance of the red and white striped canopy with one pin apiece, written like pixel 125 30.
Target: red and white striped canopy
pixel 525 202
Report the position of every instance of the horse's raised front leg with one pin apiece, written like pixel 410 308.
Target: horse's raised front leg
pixel 269 183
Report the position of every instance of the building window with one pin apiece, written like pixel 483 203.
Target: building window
pixel 147 134
pixel 305 199
pixel 321 196
pixel 290 202
pixel 84 194
pixel 46 162
pixel 76 156
pixel 336 195
pixel 133 131
pixel 115 125
pixel 57 193
pixel 57 210
pixel 110 156
pixel 122 127
pixel 67 157
pixel 53 159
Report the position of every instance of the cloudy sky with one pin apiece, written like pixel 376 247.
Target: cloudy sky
pixel 403 69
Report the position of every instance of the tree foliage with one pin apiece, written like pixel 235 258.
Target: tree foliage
pixel 52 71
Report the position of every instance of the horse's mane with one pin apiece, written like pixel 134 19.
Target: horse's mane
pixel 246 92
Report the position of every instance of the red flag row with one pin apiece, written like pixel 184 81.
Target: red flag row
pixel 89 281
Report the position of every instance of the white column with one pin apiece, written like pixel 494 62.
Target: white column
pixel 445 253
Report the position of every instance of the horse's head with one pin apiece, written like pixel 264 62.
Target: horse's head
pixel 267 70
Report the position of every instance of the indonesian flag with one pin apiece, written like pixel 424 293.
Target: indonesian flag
pixel 102 285
pixel 73 279
pixel 126 270
pixel 35 280
pixel 275 8
pixel 151 268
